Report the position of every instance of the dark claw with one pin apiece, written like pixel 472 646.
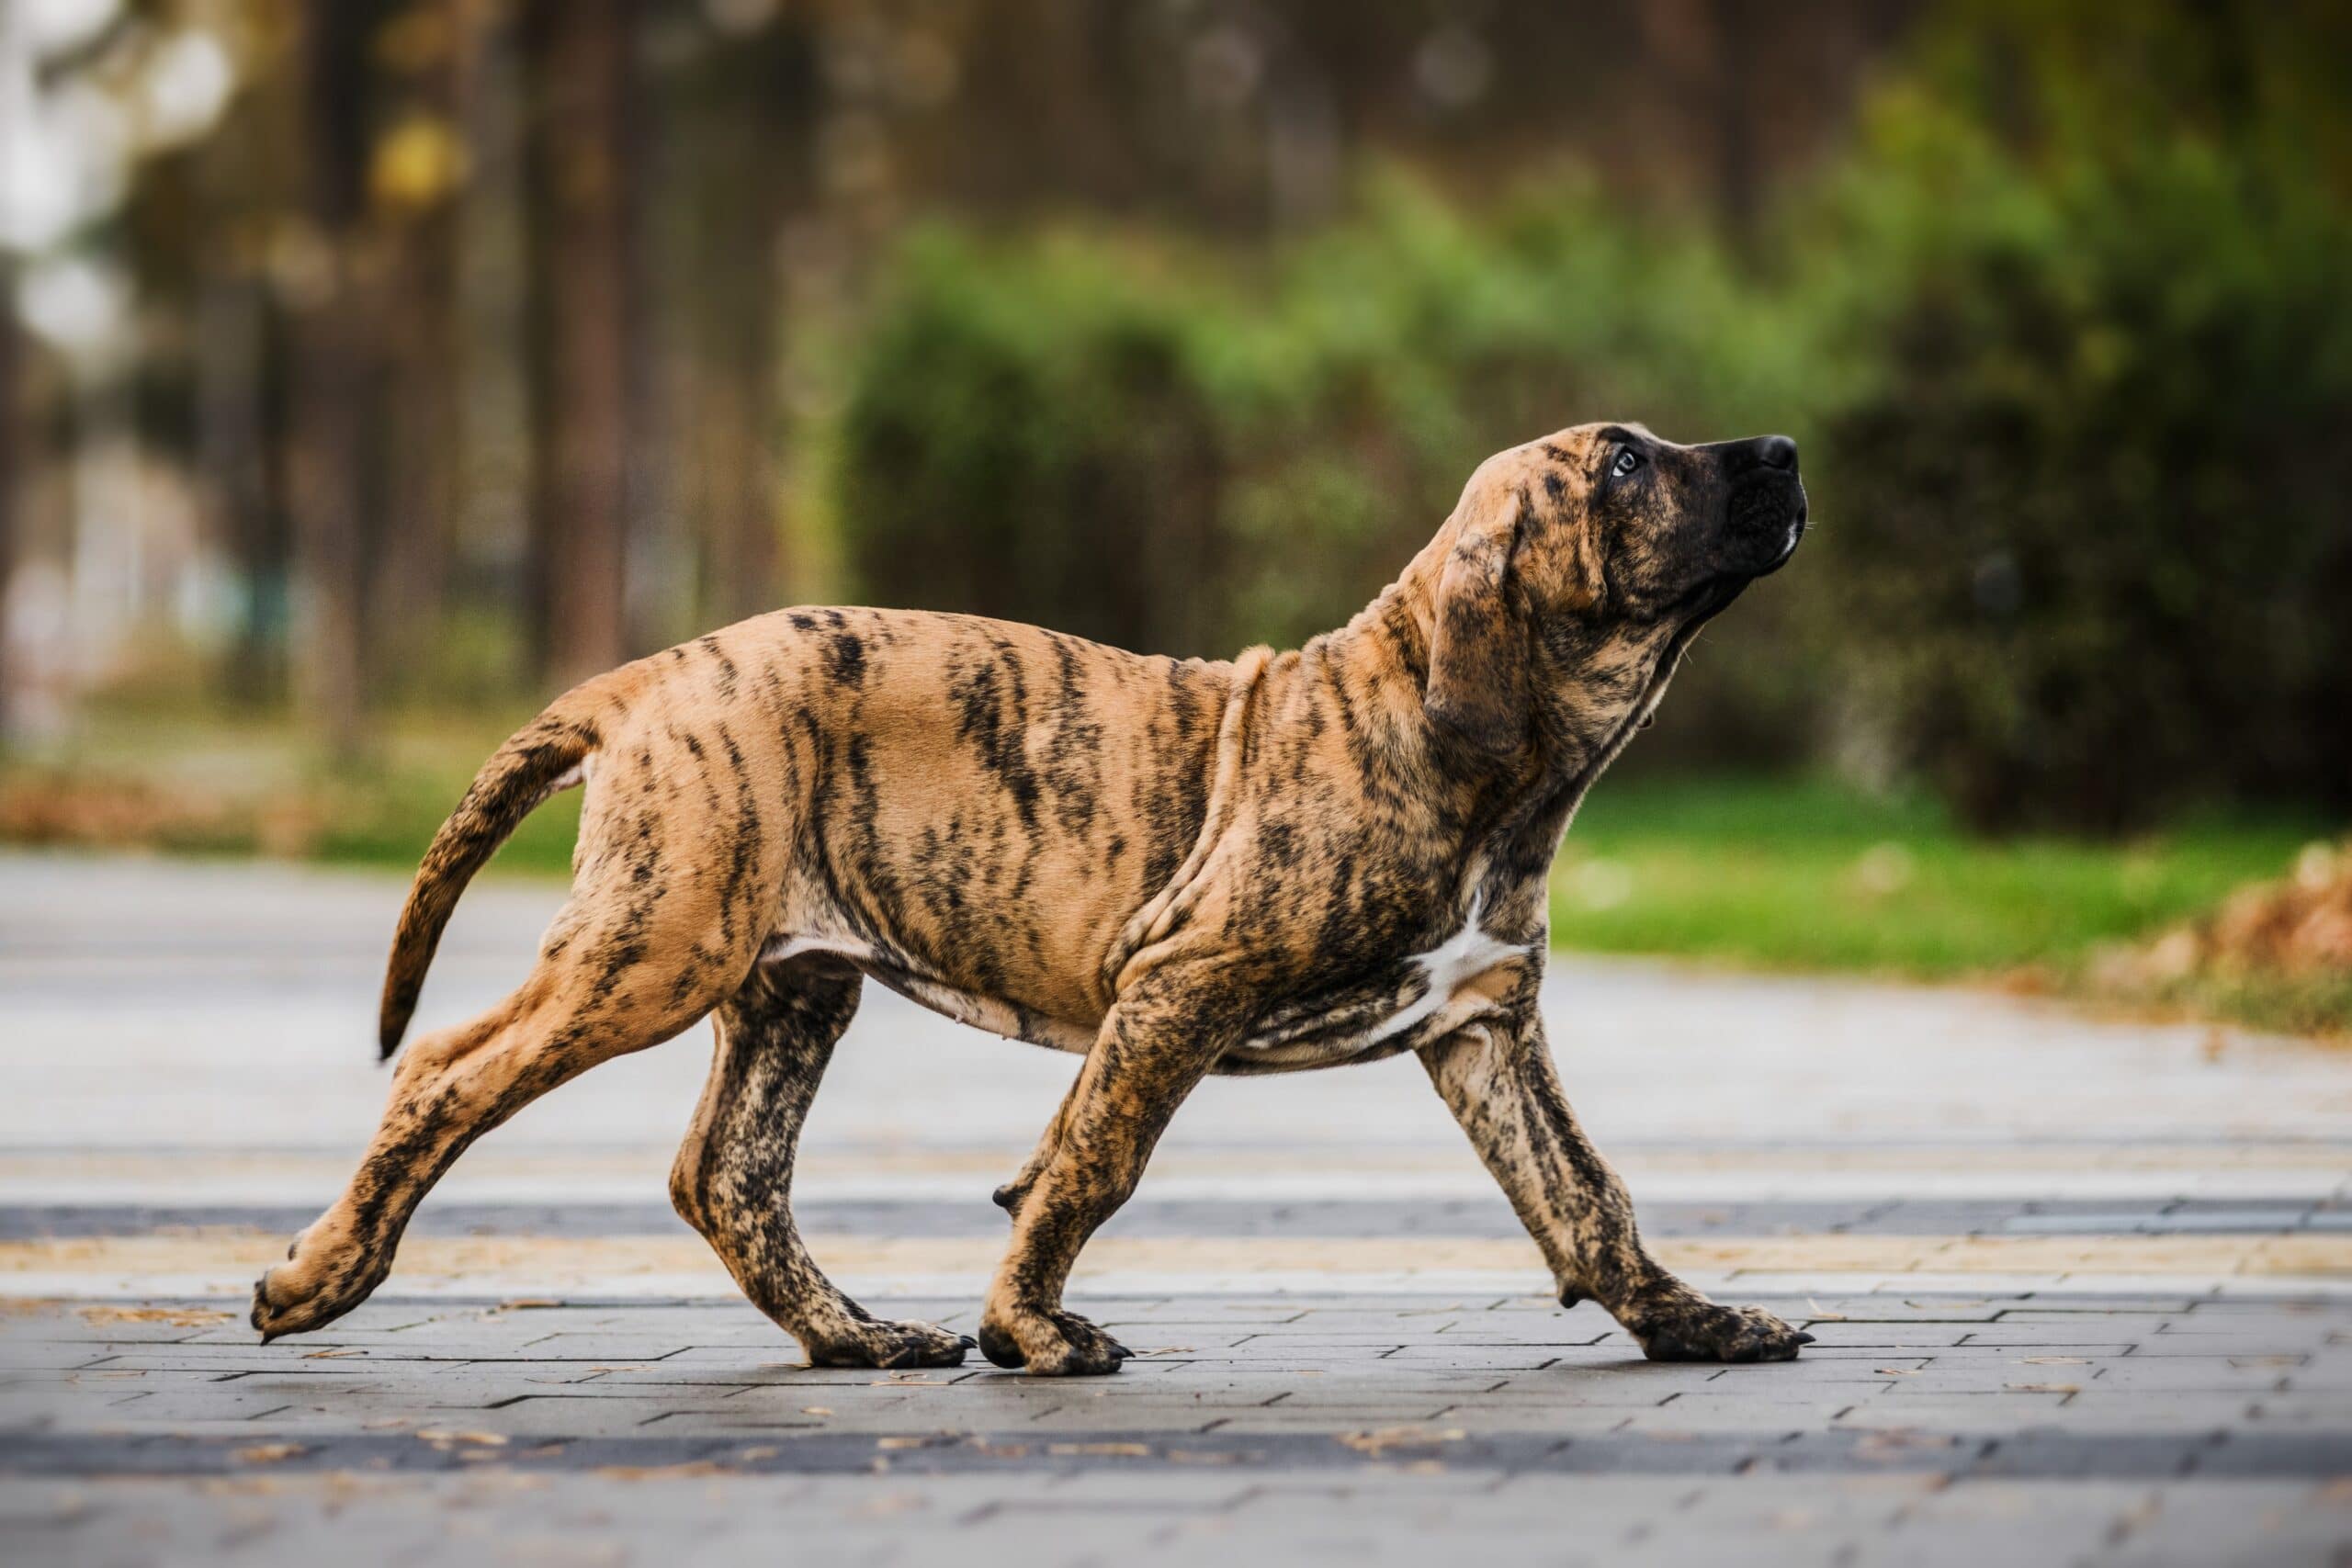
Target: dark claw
pixel 969 1343
pixel 1803 1337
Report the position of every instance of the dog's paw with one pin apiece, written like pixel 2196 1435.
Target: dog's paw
pixel 1702 1330
pixel 894 1345
pixel 307 1291
pixel 1050 1344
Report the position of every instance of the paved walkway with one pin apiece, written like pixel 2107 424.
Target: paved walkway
pixel 2083 1290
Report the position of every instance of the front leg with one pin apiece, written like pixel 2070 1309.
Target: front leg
pixel 1498 1080
pixel 1155 1046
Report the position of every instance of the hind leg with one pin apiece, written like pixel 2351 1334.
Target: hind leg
pixel 732 1180
pixel 595 995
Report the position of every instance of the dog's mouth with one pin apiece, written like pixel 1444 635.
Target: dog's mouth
pixel 1788 546
pixel 1757 547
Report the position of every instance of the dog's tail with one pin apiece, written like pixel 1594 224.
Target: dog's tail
pixel 545 756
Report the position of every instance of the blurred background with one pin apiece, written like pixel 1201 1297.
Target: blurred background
pixel 371 369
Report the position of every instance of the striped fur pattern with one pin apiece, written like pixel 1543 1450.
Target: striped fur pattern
pixel 1172 867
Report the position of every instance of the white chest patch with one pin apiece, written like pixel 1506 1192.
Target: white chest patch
pixel 1451 964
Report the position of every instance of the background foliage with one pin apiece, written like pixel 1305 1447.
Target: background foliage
pixel 2073 396
pixel 370 370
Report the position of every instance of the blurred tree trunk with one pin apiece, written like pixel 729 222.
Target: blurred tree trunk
pixel 419 168
pixel 332 319
pixel 747 146
pixel 241 426
pixel 11 412
pixel 245 176
pixel 1708 57
pixel 1739 162
pixel 583 339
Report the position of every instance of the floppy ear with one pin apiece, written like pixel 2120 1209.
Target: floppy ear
pixel 1478 649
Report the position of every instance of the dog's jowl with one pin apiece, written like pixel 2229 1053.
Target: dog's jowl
pixel 1172 867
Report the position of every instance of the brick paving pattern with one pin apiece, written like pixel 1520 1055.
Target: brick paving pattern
pixel 2082 1289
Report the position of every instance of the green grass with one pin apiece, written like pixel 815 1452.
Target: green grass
pixel 1818 875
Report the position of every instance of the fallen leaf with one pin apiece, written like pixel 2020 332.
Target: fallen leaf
pixel 442 1438
pixel 2045 1388
pixel 1380 1440
pixel 1119 1451
pixel 816 1410
pixel 527 1303
pixel 330 1355
pixel 268 1453
pixel 178 1317
pixel 997 1450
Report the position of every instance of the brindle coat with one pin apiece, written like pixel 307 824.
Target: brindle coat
pixel 1174 867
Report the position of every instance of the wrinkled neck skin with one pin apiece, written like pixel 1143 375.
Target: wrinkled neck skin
pixel 1592 678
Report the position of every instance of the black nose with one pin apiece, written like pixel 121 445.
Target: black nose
pixel 1777 452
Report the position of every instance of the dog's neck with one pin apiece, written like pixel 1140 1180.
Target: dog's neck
pixel 1588 684
pixel 1589 687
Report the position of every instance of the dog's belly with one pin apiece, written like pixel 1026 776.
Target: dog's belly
pixel 1402 1007
pixel 910 981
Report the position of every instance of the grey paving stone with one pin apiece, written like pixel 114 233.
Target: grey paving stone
pixel 2019 1419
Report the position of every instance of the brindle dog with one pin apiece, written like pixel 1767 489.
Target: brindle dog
pixel 1173 867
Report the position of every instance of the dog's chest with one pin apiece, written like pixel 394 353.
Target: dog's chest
pixel 1397 1008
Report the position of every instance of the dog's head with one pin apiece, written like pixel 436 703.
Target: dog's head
pixel 1604 545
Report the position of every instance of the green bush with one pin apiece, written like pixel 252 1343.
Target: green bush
pixel 2089 544
pixel 1028 435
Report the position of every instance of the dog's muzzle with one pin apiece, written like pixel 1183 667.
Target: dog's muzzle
pixel 1766 511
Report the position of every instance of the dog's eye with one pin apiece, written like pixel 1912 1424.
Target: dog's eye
pixel 1627 461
